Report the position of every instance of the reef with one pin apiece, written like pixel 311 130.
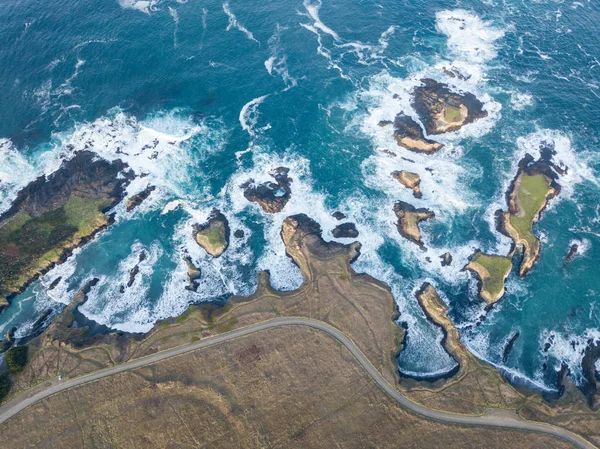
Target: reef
pixel 409 135
pixel 441 110
pixel 409 218
pixel 492 272
pixel 409 180
pixel 345 231
pixel 271 196
pixel 55 214
pixel 527 197
pixel 137 199
pixel 213 235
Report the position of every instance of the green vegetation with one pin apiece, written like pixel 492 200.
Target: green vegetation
pixel 16 358
pixel 5 385
pixel 452 114
pixel 531 194
pixel 27 243
pixel 492 271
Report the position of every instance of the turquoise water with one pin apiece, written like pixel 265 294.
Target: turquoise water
pixel 231 90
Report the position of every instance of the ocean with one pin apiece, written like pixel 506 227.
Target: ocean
pixel 228 90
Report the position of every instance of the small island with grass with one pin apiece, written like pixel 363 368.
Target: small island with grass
pixel 213 236
pixel 409 180
pixel 528 195
pixel 409 218
pixel 492 272
pixel 442 110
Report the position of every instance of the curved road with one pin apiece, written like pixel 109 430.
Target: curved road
pixel 46 389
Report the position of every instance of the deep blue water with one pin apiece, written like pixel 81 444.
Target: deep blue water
pixel 232 90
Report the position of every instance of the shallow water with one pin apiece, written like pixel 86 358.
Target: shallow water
pixel 232 89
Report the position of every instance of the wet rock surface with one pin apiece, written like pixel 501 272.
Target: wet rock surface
pixel 345 231
pixel 270 196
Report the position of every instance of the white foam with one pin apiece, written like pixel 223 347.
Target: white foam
pixel 145 6
pixel 569 348
pixel 469 37
pixel 277 62
pixel 173 13
pixel 313 11
pixel 249 115
pixel 520 100
pixel 15 173
pixel 234 23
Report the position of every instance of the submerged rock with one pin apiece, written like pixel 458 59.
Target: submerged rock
pixel 213 235
pixel 239 234
pixel 345 231
pixel 55 214
pixel 409 135
pixel 271 196
pixel 409 180
pixel 137 199
pixel 442 110
pixel 409 218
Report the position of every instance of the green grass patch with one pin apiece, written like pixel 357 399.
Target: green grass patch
pixel 498 268
pixel 531 193
pixel 5 385
pixel 27 242
pixel 452 114
pixel 16 358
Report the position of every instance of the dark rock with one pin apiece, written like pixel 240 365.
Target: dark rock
pixel 509 346
pixel 9 339
pixel 572 251
pixel 193 273
pixel 239 234
pixel 54 283
pixel 271 196
pixel 137 199
pixel 446 259
pixel 345 231
pixel 409 135
pixel 338 215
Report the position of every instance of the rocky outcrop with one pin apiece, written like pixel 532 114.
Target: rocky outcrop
pixel 239 234
pixel 271 196
pixel 572 252
pixel 491 272
pixel 345 231
pixel 134 271
pixel 55 214
pixel 527 197
pixel 338 215
pixel 437 312
pixel 409 180
pixel 409 218
pixel 509 346
pixel 446 259
pixel 303 242
pixel 137 199
pixel 409 135
pixel 193 274
pixel 213 235
pixel 591 388
pixel 441 110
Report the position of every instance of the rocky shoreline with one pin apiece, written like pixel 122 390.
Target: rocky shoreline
pixel 270 196
pixel 409 218
pixel 56 214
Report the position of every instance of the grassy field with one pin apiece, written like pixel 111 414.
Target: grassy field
pixel 291 387
pixel 28 243
pixel 532 194
pixel 493 271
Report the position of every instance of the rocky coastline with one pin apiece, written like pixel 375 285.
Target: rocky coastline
pixel 270 196
pixel 409 218
pixel 55 214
